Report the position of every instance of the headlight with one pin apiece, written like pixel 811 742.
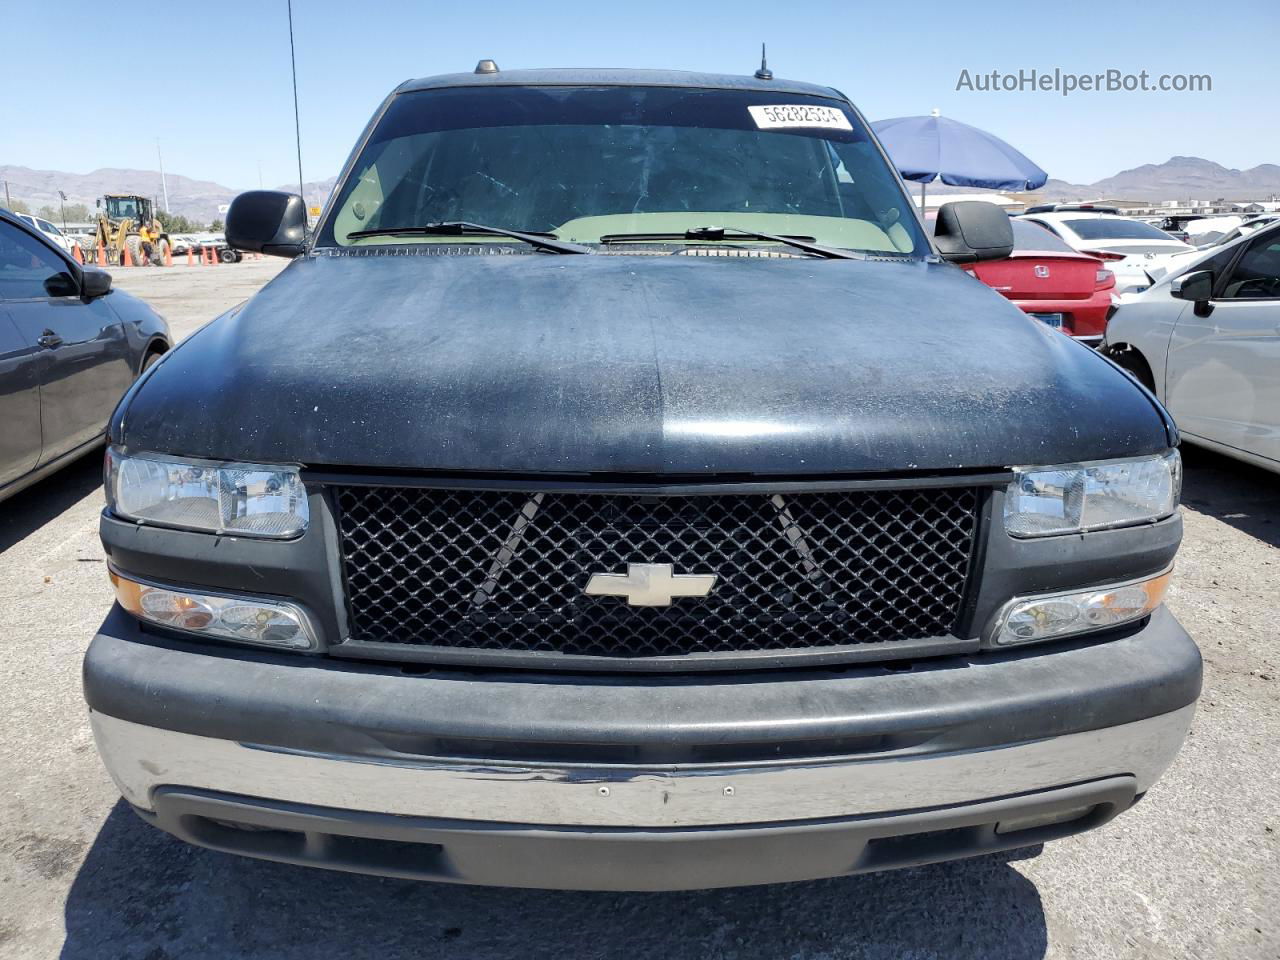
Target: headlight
pixel 244 499
pixel 1043 501
pixel 256 620
pixel 1027 620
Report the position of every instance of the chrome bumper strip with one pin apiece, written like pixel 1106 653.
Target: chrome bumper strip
pixel 142 758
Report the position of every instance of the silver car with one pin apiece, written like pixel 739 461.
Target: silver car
pixel 1206 341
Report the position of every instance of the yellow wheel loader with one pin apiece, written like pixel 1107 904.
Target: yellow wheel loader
pixel 120 217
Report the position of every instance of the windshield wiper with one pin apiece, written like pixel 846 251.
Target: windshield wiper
pixel 463 228
pixel 734 233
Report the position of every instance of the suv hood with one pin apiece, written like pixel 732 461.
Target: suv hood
pixel 660 365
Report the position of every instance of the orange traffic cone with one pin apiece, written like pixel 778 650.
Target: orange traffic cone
pixel 126 258
pixel 190 258
pixel 75 252
pixel 102 256
pixel 168 256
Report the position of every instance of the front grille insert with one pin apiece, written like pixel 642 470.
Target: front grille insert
pixel 506 571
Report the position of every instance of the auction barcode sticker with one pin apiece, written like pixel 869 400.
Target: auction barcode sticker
pixel 789 116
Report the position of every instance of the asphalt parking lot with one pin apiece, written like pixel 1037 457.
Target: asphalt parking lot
pixel 1193 871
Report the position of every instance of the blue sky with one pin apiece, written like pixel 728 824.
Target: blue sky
pixel 222 104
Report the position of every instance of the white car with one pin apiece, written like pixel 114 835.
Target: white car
pixel 56 236
pixel 1208 230
pixel 1206 342
pixel 1175 263
pixel 1129 246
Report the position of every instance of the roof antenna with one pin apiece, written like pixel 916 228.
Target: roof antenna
pixel 764 73
pixel 297 126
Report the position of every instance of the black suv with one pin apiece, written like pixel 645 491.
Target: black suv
pixel 621 490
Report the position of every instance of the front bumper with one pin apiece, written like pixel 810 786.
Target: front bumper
pixel 635 783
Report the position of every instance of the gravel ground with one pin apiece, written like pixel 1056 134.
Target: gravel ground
pixel 1193 871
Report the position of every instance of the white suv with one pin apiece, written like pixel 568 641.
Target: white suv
pixel 1129 245
pixel 56 236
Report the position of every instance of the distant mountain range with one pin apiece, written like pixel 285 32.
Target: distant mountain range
pixel 1179 178
pixel 196 199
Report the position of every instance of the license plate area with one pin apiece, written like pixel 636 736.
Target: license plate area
pixel 1049 319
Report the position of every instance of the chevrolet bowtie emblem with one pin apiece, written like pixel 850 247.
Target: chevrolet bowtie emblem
pixel 650 584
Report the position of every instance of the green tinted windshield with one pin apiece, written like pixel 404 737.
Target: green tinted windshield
pixel 587 162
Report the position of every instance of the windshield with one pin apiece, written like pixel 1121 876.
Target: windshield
pixel 583 163
pixel 122 208
pixel 1101 228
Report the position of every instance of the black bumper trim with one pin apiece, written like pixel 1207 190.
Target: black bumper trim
pixel 376 711
pixel 586 858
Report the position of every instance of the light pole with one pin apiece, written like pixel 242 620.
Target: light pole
pixel 164 187
pixel 62 203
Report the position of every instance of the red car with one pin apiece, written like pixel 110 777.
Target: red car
pixel 1052 282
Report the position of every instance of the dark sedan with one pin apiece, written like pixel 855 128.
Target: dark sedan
pixel 70 347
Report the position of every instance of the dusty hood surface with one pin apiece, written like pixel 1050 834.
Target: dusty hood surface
pixel 652 364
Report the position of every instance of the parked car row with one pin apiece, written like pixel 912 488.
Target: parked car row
pixel 1161 266
pixel 180 243
pixel 1199 327
pixel 1128 246
pixel 196 243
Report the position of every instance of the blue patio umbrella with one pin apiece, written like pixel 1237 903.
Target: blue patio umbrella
pixel 935 147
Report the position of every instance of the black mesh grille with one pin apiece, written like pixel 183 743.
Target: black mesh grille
pixel 507 571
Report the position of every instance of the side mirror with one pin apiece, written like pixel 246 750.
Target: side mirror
pixel 1196 287
pixel 94 284
pixel 61 285
pixel 973 230
pixel 267 221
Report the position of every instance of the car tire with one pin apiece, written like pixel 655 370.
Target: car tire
pixel 150 359
pixel 227 256
pixel 134 243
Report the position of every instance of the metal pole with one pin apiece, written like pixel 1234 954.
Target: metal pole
pixel 62 204
pixel 923 186
pixel 164 188
pixel 8 204
pixel 297 126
